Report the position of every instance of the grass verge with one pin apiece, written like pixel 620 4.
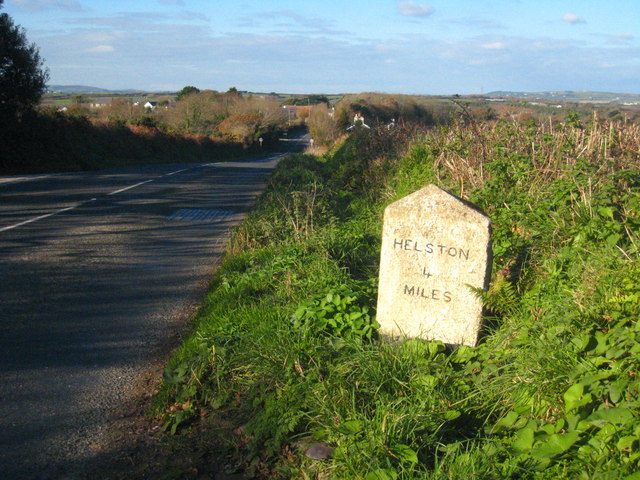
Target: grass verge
pixel 285 346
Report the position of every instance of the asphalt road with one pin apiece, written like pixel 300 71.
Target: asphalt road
pixel 98 271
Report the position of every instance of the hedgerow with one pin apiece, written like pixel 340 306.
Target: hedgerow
pixel 286 346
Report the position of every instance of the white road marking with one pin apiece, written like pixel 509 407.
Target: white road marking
pixel 62 210
pixel 26 178
pixel 220 214
pixel 177 171
pixel 130 187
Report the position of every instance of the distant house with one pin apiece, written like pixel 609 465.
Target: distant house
pixel 358 119
pixel 151 105
pixel 291 110
pixel 100 103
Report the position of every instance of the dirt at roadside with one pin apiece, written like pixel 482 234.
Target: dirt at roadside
pixel 134 447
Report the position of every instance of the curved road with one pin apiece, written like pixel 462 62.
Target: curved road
pixel 97 272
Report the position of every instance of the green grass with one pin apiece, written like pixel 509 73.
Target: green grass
pixel 285 345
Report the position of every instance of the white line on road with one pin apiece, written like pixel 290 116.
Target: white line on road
pixel 177 171
pixel 62 210
pixel 115 192
pixel 3 229
pixel 16 179
pixel 130 187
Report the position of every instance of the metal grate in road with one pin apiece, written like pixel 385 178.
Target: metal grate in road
pixel 199 215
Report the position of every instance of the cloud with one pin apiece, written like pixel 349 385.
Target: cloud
pixel 153 21
pixel 493 46
pixel 414 9
pixel 289 23
pixel 573 18
pixel 192 16
pixel 621 38
pixel 41 5
pixel 100 49
pixel 480 23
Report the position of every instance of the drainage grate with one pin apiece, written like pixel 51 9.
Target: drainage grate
pixel 199 215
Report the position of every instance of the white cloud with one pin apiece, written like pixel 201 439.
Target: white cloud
pixel 291 23
pixel 100 49
pixel 493 46
pixel 573 18
pixel 414 9
pixel 621 38
pixel 478 23
pixel 40 5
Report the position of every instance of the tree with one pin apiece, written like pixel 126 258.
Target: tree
pixel 322 126
pixel 23 78
pixel 188 90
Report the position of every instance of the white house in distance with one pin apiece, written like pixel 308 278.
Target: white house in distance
pixel 150 105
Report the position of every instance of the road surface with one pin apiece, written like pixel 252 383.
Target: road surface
pixel 98 271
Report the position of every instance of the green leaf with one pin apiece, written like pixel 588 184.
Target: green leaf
pixel 616 416
pixel 507 421
pixel 381 474
pixel 617 390
pixel 606 212
pixel 434 348
pixel 450 415
pixel 555 445
pixel 613 239
pixel 627 443
pixel 573 394
pixel 351 427
pixel 428 381
pixel 404 453
pixel 523 440
pixel 463 354
pixel 575 397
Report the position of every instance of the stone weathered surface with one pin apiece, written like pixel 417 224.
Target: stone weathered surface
pixel 435 246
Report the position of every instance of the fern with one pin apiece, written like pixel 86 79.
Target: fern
pixel 502 298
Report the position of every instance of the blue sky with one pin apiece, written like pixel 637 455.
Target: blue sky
pixel 338 46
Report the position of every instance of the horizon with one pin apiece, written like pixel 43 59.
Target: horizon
pixel 137 90
pixel 436 47
pixel 516 93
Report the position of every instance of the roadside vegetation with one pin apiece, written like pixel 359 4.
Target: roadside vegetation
pixel 285 365
pixel 201 126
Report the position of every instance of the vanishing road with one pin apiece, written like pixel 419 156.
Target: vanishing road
pixel 98 272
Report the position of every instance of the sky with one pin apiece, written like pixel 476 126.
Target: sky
pixel 436 47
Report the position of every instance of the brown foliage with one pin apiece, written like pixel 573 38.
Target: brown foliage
pixel 322 126
pixel 242 128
